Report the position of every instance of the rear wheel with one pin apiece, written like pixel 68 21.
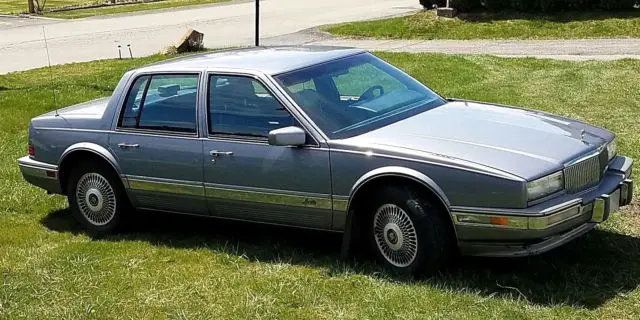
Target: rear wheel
pixel 408 233
pixel 96 198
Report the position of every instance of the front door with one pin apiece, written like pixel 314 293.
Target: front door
pixel 248 179
pixel 157 146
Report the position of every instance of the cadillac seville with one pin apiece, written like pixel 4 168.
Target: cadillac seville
pixel 333 139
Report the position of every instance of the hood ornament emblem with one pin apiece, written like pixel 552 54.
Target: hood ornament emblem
pixel 582 135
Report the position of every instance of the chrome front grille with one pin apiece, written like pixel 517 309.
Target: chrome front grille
pixel 584 174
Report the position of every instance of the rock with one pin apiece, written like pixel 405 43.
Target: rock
pixel 446 12
pixel 192 40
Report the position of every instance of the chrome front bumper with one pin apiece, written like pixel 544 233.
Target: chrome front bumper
pixel 502 232
pixel 607 204
pixel 40 174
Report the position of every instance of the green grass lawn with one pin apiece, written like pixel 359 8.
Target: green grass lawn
pixel 20 6
pixel 188 268
pixel 501 25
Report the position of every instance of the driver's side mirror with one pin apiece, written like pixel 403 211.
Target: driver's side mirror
pixel 287 136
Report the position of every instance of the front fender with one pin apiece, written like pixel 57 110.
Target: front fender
pixel 350 235
pixel 396 171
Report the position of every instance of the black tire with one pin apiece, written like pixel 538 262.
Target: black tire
pixel 105 191
pixel 434 239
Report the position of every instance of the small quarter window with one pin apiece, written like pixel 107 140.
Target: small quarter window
pixel 243 106
pixel 162 102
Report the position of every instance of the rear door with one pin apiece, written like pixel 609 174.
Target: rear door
pixel 157 145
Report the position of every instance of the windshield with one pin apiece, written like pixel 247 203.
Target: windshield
pixel 356 94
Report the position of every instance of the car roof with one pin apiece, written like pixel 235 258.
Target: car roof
pixel 268 60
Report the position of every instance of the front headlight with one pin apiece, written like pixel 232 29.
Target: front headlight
pixel 545 186
pixel 612 149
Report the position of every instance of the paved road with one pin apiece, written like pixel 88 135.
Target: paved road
pixel 283 22
pixel 591 49
pixel 225 25
pixel 9 22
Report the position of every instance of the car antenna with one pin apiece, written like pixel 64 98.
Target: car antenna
pixel 53 89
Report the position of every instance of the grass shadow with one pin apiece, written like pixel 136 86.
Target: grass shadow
pixel 567 16
pixel 584 273
pixel 255 241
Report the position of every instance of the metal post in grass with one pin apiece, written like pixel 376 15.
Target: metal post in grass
pixel 257 23
pixel 447 11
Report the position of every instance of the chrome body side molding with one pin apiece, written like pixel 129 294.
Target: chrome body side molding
pixel 269 196
pixel 181 187
pixel 235 193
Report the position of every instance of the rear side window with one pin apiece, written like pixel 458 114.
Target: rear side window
pixel 162 102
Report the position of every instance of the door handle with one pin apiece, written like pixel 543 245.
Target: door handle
pixel 128 145
pixel 216 153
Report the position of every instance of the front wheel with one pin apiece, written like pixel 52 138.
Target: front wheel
pixel 96 198
pixel 408 232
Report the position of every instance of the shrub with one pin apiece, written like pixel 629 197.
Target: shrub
pixel 535 5
pixel 462 5
pixel 428 4
pixel 465 5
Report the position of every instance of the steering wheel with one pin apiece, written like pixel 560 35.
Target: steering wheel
pixel 368 94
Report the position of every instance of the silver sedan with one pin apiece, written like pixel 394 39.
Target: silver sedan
pixel 333 139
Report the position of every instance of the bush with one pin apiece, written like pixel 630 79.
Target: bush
pixel 467 5
pixel 428 4
pixel 461 5
pixel 534 5
pixel 553 5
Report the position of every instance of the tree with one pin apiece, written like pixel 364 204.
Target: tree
pixel 40 7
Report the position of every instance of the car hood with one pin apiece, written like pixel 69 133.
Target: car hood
pixel 525 143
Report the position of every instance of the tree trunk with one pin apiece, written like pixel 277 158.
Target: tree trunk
pixel 32 9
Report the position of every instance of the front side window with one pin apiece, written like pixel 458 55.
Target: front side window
pixel 242 106
pixel 162 102
pixel 356 94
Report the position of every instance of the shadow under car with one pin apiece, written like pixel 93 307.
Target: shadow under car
pixel 586 272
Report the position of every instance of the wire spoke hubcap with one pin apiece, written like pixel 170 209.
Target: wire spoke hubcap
pixel 96 199
pixel 395 235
